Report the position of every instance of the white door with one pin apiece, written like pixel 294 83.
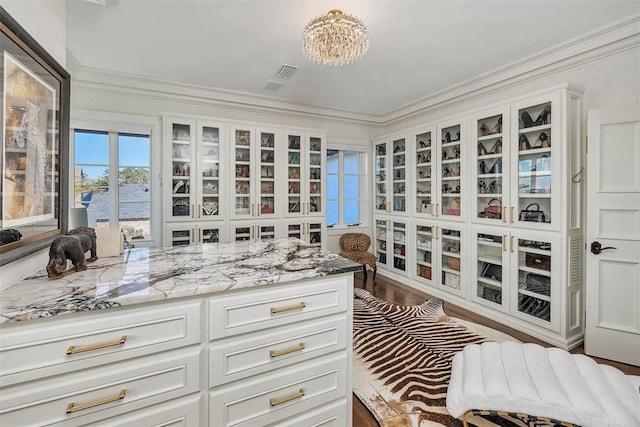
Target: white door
pixel 613 224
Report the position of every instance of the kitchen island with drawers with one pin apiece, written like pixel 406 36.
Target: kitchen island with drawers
pixel 239 334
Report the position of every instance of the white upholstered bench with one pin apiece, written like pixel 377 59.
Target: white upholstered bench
pixel 546 383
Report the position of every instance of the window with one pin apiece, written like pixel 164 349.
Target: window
pixel 105 161
pixel 344 179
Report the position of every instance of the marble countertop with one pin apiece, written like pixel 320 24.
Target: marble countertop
pixel 154 274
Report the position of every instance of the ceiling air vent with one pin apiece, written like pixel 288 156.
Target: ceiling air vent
pixel 286 71
pixel 271 85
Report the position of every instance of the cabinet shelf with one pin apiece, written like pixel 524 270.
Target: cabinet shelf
pixel 490 137
pixel 451 254
pixel 451 271
pixel 450 161
pixel 490 156
pixel 534 270
pixel 181 142
pixel 534 195
pixel 423 164
pixel 490 195
pixel 534 151
pixel 534 173
pixel 450 194
pixel 535 129
pixel 534 295
pixel 423 263
pixel 491 260
pixel 492 283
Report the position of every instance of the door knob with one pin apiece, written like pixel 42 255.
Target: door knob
pixel 596 248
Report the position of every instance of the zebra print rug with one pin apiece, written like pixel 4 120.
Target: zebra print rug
pixel 402 360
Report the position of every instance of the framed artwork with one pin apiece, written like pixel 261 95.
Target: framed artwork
pixel 35 135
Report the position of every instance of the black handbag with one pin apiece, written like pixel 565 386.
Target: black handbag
pixel 531 214
pixel 492 271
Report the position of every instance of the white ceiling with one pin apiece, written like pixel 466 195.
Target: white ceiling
pixel 417 48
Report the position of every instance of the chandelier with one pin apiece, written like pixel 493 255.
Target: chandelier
pixel 335 39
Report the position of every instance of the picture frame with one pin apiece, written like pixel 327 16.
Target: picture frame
pixel 35 138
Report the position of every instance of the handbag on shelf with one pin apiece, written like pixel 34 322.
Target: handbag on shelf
pixel 538 283
pixel 453 263
pixel 532 213
pixel 492 210
pixel 492 271
pixel 425 271
pixel 542 262
pixel 181 208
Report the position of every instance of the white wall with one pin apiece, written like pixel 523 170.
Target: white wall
pixel 46 23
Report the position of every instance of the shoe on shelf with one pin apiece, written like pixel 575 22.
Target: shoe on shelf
pixel 482 167
pixel 497 167
pixel 482 150
pixel 497 147
pixel 524 143
pixel 178 186
pixel 498 126
pixel 543 118
pixel 484 129
pixel 542 141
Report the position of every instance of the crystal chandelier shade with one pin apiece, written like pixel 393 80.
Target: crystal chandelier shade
pixel 335 39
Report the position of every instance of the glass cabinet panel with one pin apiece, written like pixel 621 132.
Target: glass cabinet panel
pixel 267 168
pixel 534 278
pixel 450 258
pixel 210 235
pixel 424 252
pixel 399 175
pixel 451 169
pixel 242 180
pixel 534 164
pixel 315 233
pixel 381 177
pixel 242 233
pixel 294 173
pixel 180 237
pixel 182 168
pixel 399 246
pixel 294 231
pixel 381 241
pixel 424 194
pixel 490 268
pixel 267 232
pixel 490 170
pixel 210 175
pixel 315 175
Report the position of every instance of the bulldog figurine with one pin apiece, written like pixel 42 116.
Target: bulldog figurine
pixel 73 247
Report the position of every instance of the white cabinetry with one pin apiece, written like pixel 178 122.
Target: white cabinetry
pixel 256 356
pixel 496 213
pixel 305 157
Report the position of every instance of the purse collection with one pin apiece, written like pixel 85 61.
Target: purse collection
pixel 532 213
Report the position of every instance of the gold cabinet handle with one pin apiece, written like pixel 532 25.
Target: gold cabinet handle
pixel 512 250
pixel 199 210
pixel 191 210
pixel 299 306
pixel 276 353
pixel 193 235
pixel 504 243
pixel 73 349
pixel 504 215
pixel 275 402
pixel 72 407
pixel 512 214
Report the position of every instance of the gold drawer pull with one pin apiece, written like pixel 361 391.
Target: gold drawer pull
pixel 276 353
pixel 73 349
pixel 72 407
pixel 275 402
pixel 299 306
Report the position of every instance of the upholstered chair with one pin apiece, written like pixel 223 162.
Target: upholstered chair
pixel 355 247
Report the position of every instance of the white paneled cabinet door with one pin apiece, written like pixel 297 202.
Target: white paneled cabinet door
pixel 265 183
pixel 381 170
pixel 305 157
pixel 243 166
pixel 424 250
pixel 187 233
pixel 381 234
pixel 210 200
pixel 490 270
pixel 450 251
pixel 613 236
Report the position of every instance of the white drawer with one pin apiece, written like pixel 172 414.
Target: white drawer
pixel 42 348
pixel 332 415
pixel 182 412
pixel 282 394
pixel 93 393
pixel 282 305
pixel 250 354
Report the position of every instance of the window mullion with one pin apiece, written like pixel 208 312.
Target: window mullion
pixel 114 190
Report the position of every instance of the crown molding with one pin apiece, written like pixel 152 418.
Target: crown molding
pixel 116 83
pixel 615 39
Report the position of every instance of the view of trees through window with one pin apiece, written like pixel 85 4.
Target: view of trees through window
pixel 107 159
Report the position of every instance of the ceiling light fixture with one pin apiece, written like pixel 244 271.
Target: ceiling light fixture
pixel 335 39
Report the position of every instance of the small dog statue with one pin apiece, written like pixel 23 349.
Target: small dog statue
pixel 9 235
pixel 72 246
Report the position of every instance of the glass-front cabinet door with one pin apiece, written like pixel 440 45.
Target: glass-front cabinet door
pixel 209 203
pixel 424 248
pixel 381 233
pixel 491 268
pixel 398 180
pixel 536 294
pixel 450 251
pixel 241 142
pixel 314 174
pixel 266 168
pixel 491 168
pixel 305 160
pixel 312 232
pixel 250 230
pixel 424 178
pixel 294 174
pixel 451 170
pixel 381 177
pixel 183 165
pixel 185 233
pixel 535 196
pixel 399 236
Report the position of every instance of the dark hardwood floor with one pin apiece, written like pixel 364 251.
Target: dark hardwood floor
pixel 397 293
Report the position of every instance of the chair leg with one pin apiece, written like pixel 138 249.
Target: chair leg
pixel 375 270
pixel 364 270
